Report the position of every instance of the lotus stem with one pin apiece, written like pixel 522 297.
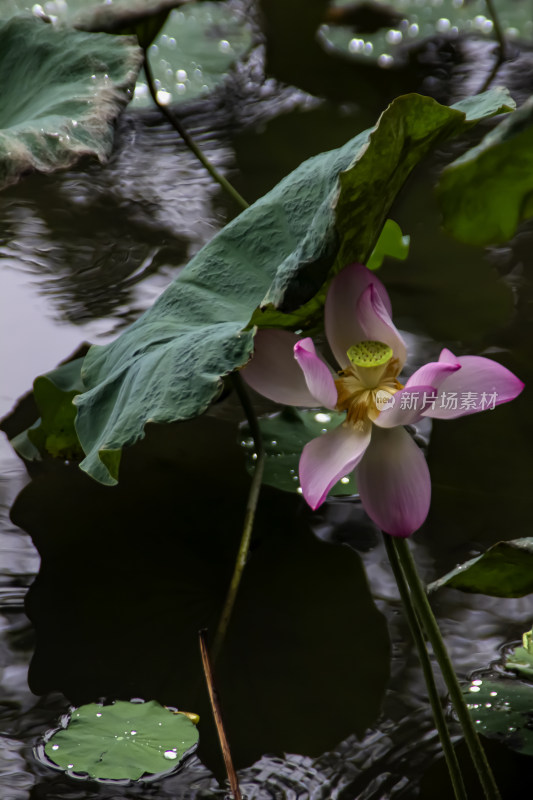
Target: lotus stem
pixel 427 618
pixel 189 141
pixel 491 8
pixel 433 694
pixel 251 506
pixel 217 714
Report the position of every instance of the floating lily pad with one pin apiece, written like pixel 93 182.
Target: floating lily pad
pixel 391 243
pixel 504 570
pixel 488 191
pixel 122 740
pixel 277 255
pixel 503 710
pixel 284 436
pixel 62 91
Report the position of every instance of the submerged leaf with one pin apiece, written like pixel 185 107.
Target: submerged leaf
pixel 505 570
pixel 122 740
pixel 284 436
pixel 62 90
pixel 277 255
pixel 488 191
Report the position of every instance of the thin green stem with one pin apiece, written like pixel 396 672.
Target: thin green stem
pixel 251 506
pixel 189 141
pixel 497 27
pixel 426 616
pixel 433 694
pixel 501 54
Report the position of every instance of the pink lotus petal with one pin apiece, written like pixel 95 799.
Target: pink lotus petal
pixel 406 406
pixel 274 372
pixel 328 458
pixel 478 385
pixel 319 379
pixel 377 325
pixel 433 373
pixel 340 317
pixel 394 482
pixel 447 357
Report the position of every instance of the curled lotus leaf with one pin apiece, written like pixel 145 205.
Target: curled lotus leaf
pixel 269 267
pixel 62 91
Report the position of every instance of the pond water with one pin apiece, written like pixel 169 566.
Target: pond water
pixel 103 590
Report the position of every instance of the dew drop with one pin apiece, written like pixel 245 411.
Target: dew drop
pixel 55 747
pixel 320 417
pixel 170 754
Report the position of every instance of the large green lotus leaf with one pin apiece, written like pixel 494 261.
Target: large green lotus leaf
pixel 61 92
pixel 122 740
pixel 503 710
pixel 284 437
pixel 488 191
pixel 277 255
pixel 504 570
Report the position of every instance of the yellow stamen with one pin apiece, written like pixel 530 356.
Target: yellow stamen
pixel 372 369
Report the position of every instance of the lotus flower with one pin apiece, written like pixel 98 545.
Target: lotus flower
pixel 391 471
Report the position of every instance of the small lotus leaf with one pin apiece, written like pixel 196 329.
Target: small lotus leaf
pixel 122 741
pixel 62 90
pixel 54 432
pixel 391 243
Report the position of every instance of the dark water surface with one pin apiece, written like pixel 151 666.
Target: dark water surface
pixel 125 576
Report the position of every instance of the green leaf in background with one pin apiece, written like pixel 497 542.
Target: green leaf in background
pixel 61 92
pixel 404 134
pixel 521 658
pixel 488 191
pixel 122 741
pixel 54 433
pixel 503 710
pixel 284 436
pixel 391 243
pixel 279 253
pixel 505 570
